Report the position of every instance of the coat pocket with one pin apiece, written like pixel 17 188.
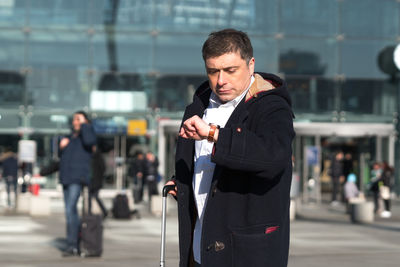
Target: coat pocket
pixel 255 246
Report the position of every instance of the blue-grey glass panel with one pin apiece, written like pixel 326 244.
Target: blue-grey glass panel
pixel 59 62
pixel 179 53
pixel 12 49
pixel 358 58
pixel 370 18
pixel 309 17
pixel 175 92
pixel 9 119
pixel 125 52
pixel 311 95
pixel 50 13
pixel 308 57
pixel 265 53
pixel 12 82
pixel 205 16
pixel 367 96
pixel 123 14
pixel 12 13
pixel 46 121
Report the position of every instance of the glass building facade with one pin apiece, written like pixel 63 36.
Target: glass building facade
pixel 57 55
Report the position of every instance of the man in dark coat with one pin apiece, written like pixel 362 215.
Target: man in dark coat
pixel 337 176
pixel 9 162
pixel 233 162
pixel 76 154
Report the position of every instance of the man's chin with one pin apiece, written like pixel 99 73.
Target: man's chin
pixel 225 98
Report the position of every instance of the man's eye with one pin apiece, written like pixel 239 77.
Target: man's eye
pixel 230 70
pixel 212 71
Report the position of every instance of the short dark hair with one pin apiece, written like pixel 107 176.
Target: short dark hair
pixel 228 41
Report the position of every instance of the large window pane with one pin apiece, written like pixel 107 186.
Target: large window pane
pixel 358 58
pixel 366 96
pixel 309 17
pixel 204 15
pixel 123 14
pixel 312 95
pixel 265 54
pixel 50 13
pixel 12 13
pixel 59 62
pixel 12 81
pixel 370 18
pixel 179 53
pixel 310 57
pixel 123 52
pixel 175 92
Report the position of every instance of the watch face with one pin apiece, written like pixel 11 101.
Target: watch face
pixel 396 56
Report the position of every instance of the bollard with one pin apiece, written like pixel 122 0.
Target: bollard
pixel 362 212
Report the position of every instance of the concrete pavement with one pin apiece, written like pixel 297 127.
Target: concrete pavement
pixel 320 236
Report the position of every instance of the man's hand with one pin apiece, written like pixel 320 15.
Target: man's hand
pixel 172 192
pixel 194 128
pixel 64 142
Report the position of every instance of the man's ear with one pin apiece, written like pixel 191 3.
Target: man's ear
pixel 251 65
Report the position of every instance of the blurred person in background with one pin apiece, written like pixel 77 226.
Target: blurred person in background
pixel 75 160
pixel 350 188
pixel 337 176
pixel 97 180
pixel 136 172
pixel 151 174
pixel 233 162
pixel 376 175
pixel 9 163
pixel 386 182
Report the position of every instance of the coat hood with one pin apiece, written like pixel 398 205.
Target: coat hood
pixel 268 84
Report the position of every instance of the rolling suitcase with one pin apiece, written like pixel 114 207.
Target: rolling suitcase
pixel 165 191
pixel 91 231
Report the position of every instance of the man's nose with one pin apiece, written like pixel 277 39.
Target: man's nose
pixel 221 78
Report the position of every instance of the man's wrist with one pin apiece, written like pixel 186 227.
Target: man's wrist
pixel 213 132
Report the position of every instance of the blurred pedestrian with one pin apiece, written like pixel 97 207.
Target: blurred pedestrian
pixel 350 188
pixel 9 163
pixel 97 180
pixel 376 175
pixel 136 172
pixel 337 176
pixel 76 153
pixel 347 164
pixel 385 184
pixel 151 174
pixel 233 162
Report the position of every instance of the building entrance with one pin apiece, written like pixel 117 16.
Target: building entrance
pixel 316 145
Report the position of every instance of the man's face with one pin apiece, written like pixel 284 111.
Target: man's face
pixel 77 120
pixel 229 75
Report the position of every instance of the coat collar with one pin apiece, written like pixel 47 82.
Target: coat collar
pixel 259 85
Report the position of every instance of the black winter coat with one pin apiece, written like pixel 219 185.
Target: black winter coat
pixel 246 219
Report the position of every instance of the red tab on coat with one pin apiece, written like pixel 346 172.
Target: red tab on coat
pixel 271 229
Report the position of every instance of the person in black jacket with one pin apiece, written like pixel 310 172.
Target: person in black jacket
pixel 233 162
pixel 9 163
pixel 76 155
pixel 97 179
pixel 337 176
pixel 136 172
pixel 151 174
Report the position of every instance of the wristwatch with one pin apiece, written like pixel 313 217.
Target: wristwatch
pixel 213 127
